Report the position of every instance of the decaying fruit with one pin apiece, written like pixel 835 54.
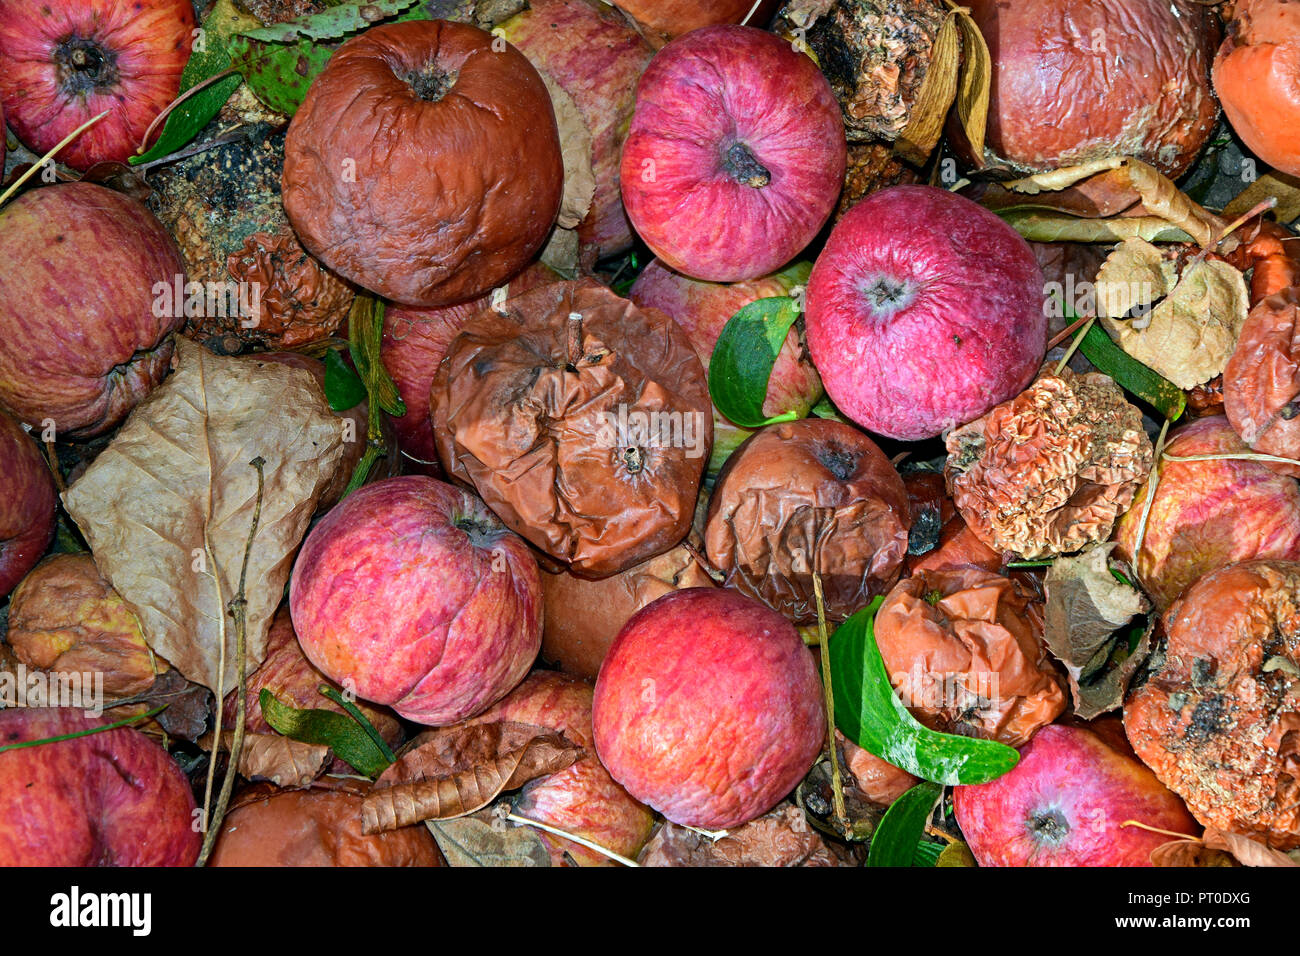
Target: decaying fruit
pixel 423 164
pixel 1257 77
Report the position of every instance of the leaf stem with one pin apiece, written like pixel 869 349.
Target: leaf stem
pixel 823 641
pixel 581 841
pixel 84 733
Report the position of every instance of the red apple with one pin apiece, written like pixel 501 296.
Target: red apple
pixel 415 593
pixel 736 154
pixel 83 334
pixel 703 310
pixel 924 311
pixel 414 342
pixel 708 708
pixel 664 19
pixel 114 798
pixel 27 505
pixel 596 57
pixel 1066 803
pixel 63 62
pixel 582 799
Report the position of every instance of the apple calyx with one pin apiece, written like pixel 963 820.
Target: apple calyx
pixel 743 166
pixel 431 83
pixel 481 533
pixel 888 296
pixel 85 66
pixel 1048 827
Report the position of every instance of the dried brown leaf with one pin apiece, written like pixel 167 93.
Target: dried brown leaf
pixel 1135 274
pixel 282 761
pixel 782 837
pixel 1189 853
pixel 975 82
pixel 938 91
pixel 1164 199
pixel 168 505
pixel 455 771
pixel 1246 851
pixel 470 841
pixel 189 705
pixel 577 149
pixel 1272 185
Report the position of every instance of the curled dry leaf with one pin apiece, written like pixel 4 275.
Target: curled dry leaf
pixel 576 147
pixel 1191 333
pixel 1244 850
pixel 454 771
pixel 1086 606
pixel 280 760
pixel 781 837
pixel 472 841
pixel 168 505
pixel 1190 853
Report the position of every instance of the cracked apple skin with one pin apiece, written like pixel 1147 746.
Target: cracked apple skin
pixel 417 594
pixel 708 708
pixel 1065 804
pixel 110 799
pixel 736 154
pixel 63 62
pixel 81 337
pixel 582 799
pixel 27 507
pixel 925 311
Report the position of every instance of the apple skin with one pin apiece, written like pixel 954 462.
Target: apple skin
pixel 27 507
pixel 81 341
pixel 414 342
pixel 736 154
pixel 664 19
pixel 582 799
pixel 970 333
pixel 110 799
pixel 417 594
pixel 133 55
pixel 703 309
pixel 1078 788
pixel 596 57
pixel 708 708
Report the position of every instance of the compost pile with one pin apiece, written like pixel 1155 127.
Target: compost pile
pixel 554 433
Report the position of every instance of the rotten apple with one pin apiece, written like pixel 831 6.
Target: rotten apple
pixel 708 708
pixel 416 594
pixel 925 311
pixel 83 336
pixel 63 62
pixel 736 154
pixel 27 506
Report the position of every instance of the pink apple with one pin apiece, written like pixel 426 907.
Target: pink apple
pixel 27 505
pixel 582 799
pixel 108 799
pixel 595 56
pixel 924 311
pixel 703 309
pixel 1066 803
pixel 63 62
pixel 708 708
pixel 736 154
pixel 415 593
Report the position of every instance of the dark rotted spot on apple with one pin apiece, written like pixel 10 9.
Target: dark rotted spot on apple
pixel 1049 827
pixel 480 530
pixel 838 460
pixel 1209 719
pixel 969 450
pixel 430 83
pixel 84 66
pixel 1289 411
pixel 743 166
pixel 927 523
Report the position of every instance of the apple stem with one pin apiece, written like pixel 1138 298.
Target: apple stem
pixel 573 350
pixel 824 647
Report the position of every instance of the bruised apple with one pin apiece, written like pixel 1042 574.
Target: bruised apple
pixel 581 799
pixel 415 593
pixel 113 798
pixel 27 505
pixel 1065 804
pixel 82 335
pixel 703 309
pixel 63 62
pixel 708 708
pixel 925 311
pixel 736 154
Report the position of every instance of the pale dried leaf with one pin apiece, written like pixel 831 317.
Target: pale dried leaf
pixel 1190 335
pixel 562 252
pixel 168 505
pixel 781 837
pixel 1085 606
pixel 1186 853
pixel 975 82
pixel 1135 274
pixel 1058 179
pixel 577 149
pixel 282 761
pixel 455 771
pixel 1049 226
pixel 938 90
pixel 1272 185
pixel 1164 199
pixel 1246 851
pixel 469 841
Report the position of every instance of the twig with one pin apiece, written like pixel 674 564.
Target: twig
pixel 238 609
pixel 1074 346
pixel 1068 331
pixel 580 840
pixel 1151 497
pixel 837 785
pixel 17 183
pixel 53 459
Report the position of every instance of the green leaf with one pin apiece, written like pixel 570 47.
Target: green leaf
pixel 872 716
pixel 896 840
pixel 365 334
pixel 343 387
pixel 927 854
pixel 209 58
pixel 1131 375
pixel 277 73
pixel 343 735
pixel 743 359
pixel 331 24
